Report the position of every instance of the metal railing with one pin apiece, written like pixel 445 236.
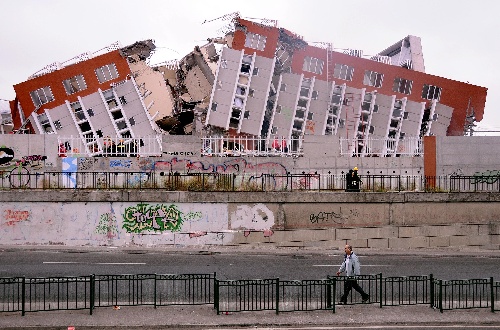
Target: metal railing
pixel 381 147
pixel 21 178
pixel 465 294
pixel 75 146
pixel 267 146
pixel 19 294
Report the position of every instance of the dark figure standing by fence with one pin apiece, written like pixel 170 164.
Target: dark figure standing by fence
pixel 352 268
pixel 352 180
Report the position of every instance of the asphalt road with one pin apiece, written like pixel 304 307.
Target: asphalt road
pixel 240 264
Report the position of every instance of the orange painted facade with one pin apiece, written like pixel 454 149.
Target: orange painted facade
pixel 454 94
pixel 55 81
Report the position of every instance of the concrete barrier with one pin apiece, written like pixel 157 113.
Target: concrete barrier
pixel 308 219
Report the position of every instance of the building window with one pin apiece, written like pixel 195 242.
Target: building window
pixel 122 99
pixel 312 64
pixel 278 109
pixel 107 72
pixel 246 114
pixel 255 41
pixel 310 115
pixel 58 125
pixel 402 86
pixel 342 71
pixel 274 130
pixel 251 92
pixel 430 92
pixel 283 88
pixel 74 84
pixel 214 107
pixel 255 72
pixel 314 95
pixel 373 78
pixel 41 96
pixel 45 123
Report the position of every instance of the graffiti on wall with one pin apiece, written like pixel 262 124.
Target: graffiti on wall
pixel 253 218
pixel 87 164
pixel 233 166
pixel 14 216
pixel 107 225
pixel 69 168
pixel 488 177
pixel 18 170
pixel 332 217
pixel 6 155
pixel 156 218
pixel 120 163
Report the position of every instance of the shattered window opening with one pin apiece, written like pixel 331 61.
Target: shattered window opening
pixel 430 92
pixel 402 86
pixel 312 64
pixel 255 72
pixel 74 84
pixel 106 72
pixel 214 107
pixel 255 41
pixel 42 96
pixel 58 125
pixel 344 72
pixel 373 78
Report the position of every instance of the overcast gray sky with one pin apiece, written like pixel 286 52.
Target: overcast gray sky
pixel 459 38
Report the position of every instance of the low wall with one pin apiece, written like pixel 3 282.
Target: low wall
pixel 309 219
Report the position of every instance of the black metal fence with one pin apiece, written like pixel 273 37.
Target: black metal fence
pixel 20 178
pixel 20 294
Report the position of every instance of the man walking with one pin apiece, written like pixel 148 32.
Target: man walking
pixel 352 267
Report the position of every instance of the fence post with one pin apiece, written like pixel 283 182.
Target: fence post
pixel 441 296
pixel 156 279
pixel 431 289
pixel 277 295
pixel 380 288
pixel 92 293
pixel 334 293
pixel 23 298
pixel 492 295
pixel 216 295
pixel 328 293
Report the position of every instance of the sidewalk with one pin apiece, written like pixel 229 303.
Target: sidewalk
pixel 201 317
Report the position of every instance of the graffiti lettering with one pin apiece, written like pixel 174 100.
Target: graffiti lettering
pixel 179 153
pixel 156 218
pixel 335 217
pixel 256 218
pixel 488 177
pixel 107 225
pixel 15 216
pixel 120 163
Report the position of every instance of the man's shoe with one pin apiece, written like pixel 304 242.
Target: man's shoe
pixel 365 299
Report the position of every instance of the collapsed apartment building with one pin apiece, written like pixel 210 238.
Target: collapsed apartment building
pixel 264 86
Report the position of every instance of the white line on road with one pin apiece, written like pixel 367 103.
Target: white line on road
pixel 120 263
pixel 98 263
pixel 361 265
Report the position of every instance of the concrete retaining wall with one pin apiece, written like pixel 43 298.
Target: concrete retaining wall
pixel 309 219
